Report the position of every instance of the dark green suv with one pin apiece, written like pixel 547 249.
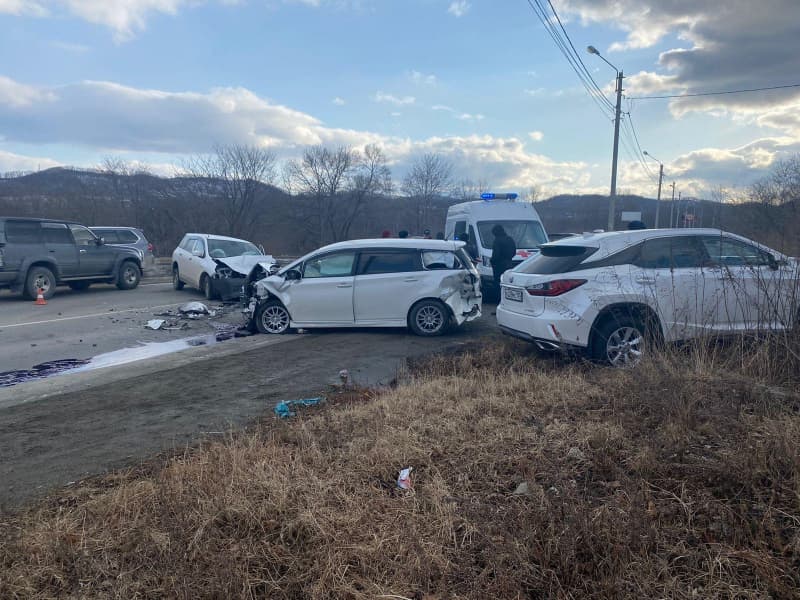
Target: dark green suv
pixel 39 254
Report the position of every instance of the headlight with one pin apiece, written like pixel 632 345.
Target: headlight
pixel 486 260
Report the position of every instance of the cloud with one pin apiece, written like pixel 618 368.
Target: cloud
pixel 22 8
pixel 536 136
pixel 443 107
pixel 338 101
pixel 15 162
pixel 470 117
pixel 459 8
pixel 18 95
pixel 125 18
pixel 396 100
pixel 422 79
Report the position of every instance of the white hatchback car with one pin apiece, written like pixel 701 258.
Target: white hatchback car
pixel 609 293
pixel 216 265
pixel 422 284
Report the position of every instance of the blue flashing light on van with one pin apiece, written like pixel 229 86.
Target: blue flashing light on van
pixel 493 196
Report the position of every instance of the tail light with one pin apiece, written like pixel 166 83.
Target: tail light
pixel 554 288
pixel 150 248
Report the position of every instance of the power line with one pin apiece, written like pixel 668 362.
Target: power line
pixel 641 152
pixel 572 58
pixel 742 91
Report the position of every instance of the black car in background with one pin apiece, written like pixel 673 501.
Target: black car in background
pixel 39 254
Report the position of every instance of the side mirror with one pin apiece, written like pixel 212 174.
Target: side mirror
pixel 100 241
pixel 773 262
pixel 293 275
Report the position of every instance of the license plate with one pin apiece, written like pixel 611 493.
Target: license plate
pixel 515 295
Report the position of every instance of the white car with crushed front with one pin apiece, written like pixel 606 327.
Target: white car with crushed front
pixel 425 285
pixel 218 265
pixel 612 293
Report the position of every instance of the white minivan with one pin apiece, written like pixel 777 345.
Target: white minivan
pixel 425 285
pixel 477 218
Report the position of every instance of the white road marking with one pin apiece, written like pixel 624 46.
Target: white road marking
pixel 108 313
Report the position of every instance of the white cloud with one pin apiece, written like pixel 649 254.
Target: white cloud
pixel 16 162
pixel 536 136
pixel 124 17
pixel 421 78
pixel 338 101
pixel 16 95
pixel 536 92
pixel 397 114
pixel 458 8
pixel 396 100
pixel 443 107
pixel 470 117
pixel 22 8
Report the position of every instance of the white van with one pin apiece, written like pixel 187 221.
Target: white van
pixel 476 219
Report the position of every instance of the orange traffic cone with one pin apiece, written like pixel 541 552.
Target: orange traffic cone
pixel 40 301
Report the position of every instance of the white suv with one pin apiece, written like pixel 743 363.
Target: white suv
pixel 422 284
pixel 609 293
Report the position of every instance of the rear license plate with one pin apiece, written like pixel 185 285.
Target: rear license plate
pixel 515 295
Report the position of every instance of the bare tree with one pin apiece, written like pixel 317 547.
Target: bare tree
pixel 428 178
pixel 533 194
pixel 238 174
pixel 467 189
pixel 371 178
pixel 782 185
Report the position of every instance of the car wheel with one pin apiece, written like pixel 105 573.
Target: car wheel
pixel 206 287
pixel 272 317
pixel 79 286
pixel 620 341
pixel 428 318
pixel 177 284
pixel 40 278
pixel 129 275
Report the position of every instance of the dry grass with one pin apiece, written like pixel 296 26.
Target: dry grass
pixel 669 481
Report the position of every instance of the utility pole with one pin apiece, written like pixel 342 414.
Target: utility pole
pixel 672 205
pixel 618 109
pixel 613 199
pixel 679 209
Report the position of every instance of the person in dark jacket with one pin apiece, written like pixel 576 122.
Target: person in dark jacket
pixel 503 251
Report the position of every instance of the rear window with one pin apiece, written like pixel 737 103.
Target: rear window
pixel 556 259
pixel 23 232
pixel 109 235
pixel 126 236
pixel 56 233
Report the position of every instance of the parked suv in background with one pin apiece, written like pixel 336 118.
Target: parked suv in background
pixel 612 293
pixel 38 254
pixel 128 237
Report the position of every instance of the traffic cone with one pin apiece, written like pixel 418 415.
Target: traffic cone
pixel 40 301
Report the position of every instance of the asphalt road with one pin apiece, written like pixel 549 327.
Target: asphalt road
pixel 58 430
pixel 81 325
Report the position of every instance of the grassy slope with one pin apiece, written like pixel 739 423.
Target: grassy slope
pixel 663 482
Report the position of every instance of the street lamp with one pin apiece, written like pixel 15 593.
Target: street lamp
pixel 613 195
pixel 660 178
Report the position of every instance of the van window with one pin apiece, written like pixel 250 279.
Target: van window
pixel 461 228
pixel 440 259
pixel 526 234
pixel 23 232
pixel 378 262
pixel 339 264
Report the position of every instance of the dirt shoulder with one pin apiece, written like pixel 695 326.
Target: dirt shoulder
pixel 67 436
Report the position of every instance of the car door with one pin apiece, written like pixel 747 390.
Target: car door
pixel 670 277
pixel 60 245
pixel 93 258
pixel 752 285
pixel 191 267
pixel 324 294
pixel 387 283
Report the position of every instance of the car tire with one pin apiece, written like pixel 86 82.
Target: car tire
pixel 429 318
pixel 206 287
pixel 39 278
pixel 177 284
pixel 620 341
pixel 129 275
pixel 79 286
pixel 272 317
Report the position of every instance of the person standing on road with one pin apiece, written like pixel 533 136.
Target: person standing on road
pixel 503 251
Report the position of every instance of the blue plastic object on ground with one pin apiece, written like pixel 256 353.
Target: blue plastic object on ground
pixel 284 408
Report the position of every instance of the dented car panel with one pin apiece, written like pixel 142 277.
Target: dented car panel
pixel 372 283
pixel 233 273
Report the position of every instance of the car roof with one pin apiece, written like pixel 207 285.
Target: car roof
pixel 389 243
pixel 39 220
pixel 211 236
pixel 113 227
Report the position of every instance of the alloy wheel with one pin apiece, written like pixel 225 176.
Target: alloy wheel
pixel 430 319
pixel 275 319
pixel 625 347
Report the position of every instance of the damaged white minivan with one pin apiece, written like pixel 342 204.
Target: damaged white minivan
pixel 425 285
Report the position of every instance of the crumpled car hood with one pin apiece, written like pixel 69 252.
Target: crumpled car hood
pixel 245 264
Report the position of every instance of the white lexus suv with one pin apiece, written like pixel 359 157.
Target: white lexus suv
pixel 611 293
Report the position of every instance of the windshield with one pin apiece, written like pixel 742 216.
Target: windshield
pixel 526 234
pixel 228 248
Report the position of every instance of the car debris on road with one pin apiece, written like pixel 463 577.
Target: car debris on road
pixel 284 408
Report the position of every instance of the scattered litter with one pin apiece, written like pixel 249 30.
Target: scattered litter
pixel 155 324
pixel 193 308
pixel 41 371
pixel 344 375
pixel 240 333
pixel 284 408
pixel 522 489
pixel 404 479
pixel 576 454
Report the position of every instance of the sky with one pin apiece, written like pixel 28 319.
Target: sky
pixel 480 81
